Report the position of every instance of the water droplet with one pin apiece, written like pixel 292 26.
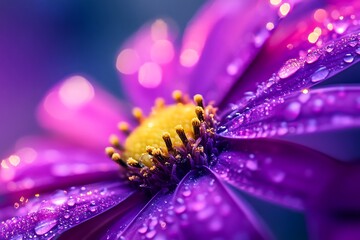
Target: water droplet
pixel 180 209
pixel 317 105
pixel 358 50
pixel 92 208
pixel 143 229
pixel 348 58
pixel 45 226
pixel 277 176
pixel 292 111
pixel 329 48
pixel 320 74
pixel 252 165
pixel 233 68
pixel 291 66
pixel 71 202
pixel 312 57
pixel 17 237
pixel 186 193
pixel 151 234
pixel 66 215
pixel 59 198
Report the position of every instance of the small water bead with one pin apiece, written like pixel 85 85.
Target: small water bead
pixel 292 111
pixel 252 165
pixel 312 57
pixel 358 50
pixel 71 202
pixel 277 176
pixel 291 66
pixel 151 234
pixel 59 198
pixel 340 26
pixel 45 226
pixel 143 229
pixel 348 58
pixel 329 48
pixel 320 74
pixel 92 208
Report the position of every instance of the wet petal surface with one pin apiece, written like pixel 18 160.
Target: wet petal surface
pixel 205 209
pixel 308 112
pixel 49 215
pixel 284 173
pixel 81 112
pixel 224 38
pixel 43 164
pixel 323 42
pixel 155 221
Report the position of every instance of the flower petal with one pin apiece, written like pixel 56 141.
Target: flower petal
pixel 281 172
pixel 42 164
pixel 49 215
pixel 224 38
pixel 156 220
pixel 305 50
pixel 82 112
pixel 308 112
pixel 146 65
pixel 109 224
pixel 205 209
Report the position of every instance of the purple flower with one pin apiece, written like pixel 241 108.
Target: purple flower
pixel 177 163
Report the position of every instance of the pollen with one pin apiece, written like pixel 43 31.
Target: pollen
pixel 169 142
pixel 160 122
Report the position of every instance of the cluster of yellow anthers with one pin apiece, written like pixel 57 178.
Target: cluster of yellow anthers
pixel 171 135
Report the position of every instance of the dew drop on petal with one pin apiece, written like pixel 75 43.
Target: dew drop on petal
pixel 45 226
pixel 329 48
pixel 358 50
pixel 292 111
pixel 312 57
pixel 59 198
pixel 348 58
pixel 71 202
pixel 17 237
pixel 291 66
pixel 320 74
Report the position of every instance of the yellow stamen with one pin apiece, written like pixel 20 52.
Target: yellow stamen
pixel 199 113
pixel 181 133
pixel 124 127
pixel 199 100
pixel 196 127
pixel 109 151
pixel 177 96
pixel 138 114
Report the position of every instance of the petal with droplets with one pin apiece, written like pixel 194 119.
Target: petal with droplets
pixel 309 112
pixel 205 209
pixel 155 220
pixel 51 214
pixel 146 65
pixel 294 55
pixel 82 112
pixel 44 164
pixel 223 39
pixel 284 173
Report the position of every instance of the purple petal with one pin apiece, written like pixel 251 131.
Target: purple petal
pixel 81 112
pixel 109 224
pixel 307 112
pixel 49 215
pixel 281 172
pixel 146 65
pixel 307 48
pixel 156 220
pixel 223 39
pixel 41 164
pixel 206 210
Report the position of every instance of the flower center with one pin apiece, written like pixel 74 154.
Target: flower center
pixel 168 143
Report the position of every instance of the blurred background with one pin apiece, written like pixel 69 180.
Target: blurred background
pixel 42 42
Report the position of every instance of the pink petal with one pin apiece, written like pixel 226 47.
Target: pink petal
pixel 81 112
pixel 308 112
pixel 146 65
pixel 224 38
pixel 42 164
pixel 283 173
pixel 311 45
pixel 50 215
